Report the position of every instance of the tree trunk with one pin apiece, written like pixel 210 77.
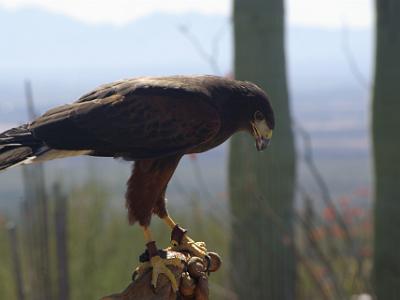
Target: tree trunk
pixel 386 145
pixel 16 261
pixel 60 221
pixel 261 183
pixel 36 222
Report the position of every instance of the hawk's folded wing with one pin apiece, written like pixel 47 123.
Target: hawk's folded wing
pixel 130 119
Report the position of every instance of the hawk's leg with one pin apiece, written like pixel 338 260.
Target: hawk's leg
pixel 181 241
pixel 158 264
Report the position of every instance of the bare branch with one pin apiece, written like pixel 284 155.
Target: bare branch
pixel 210 58
pixel 277 220
pixel 326 196
pixel 352 63
pixel 323 186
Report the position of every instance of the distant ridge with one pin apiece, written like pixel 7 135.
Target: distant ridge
pixel 39 39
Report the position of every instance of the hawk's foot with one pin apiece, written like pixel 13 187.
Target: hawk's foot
pixel 159 266
pixel 181 241
pixel 158 261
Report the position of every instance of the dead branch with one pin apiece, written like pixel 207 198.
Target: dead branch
pixel 323 186
pixel 352 62
pixel 212 57
pixel 325 293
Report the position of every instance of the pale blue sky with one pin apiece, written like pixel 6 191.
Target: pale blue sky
pixel 315 13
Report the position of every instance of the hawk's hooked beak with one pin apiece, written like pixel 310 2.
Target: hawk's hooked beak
pixel 262 133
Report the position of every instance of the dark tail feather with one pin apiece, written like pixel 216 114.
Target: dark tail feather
pixel 17 145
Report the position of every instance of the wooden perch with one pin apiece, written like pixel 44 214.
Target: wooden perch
pixel 192 277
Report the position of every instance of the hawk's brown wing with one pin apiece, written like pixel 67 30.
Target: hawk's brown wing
pixel 133 122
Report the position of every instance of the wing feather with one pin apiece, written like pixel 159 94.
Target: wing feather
pixel 127 119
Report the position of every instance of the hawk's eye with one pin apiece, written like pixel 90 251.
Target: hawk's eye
pixel 258 116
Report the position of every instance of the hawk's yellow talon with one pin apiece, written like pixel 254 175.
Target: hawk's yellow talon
pixel 201 244
pixel 160 267
pixel 197 248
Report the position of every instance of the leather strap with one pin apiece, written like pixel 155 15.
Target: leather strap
pixel 177 234
pixel 152 249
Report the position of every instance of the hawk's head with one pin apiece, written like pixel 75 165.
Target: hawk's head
pixel 259 116
pixel 260 129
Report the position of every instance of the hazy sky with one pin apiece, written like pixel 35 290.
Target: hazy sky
pixel 319 13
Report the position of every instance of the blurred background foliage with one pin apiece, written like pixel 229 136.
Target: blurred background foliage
pixel 102 249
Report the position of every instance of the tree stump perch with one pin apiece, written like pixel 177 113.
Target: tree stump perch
pixel 192 277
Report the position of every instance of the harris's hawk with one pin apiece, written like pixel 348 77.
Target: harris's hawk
pixel 152 121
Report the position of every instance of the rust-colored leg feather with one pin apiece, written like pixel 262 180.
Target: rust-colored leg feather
pixel 146 188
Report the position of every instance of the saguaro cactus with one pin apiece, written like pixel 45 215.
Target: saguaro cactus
pixel 386 145
pixel 262 184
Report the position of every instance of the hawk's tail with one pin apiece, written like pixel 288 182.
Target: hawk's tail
pixel 19 146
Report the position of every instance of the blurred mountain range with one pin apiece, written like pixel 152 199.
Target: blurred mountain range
pixel 329 76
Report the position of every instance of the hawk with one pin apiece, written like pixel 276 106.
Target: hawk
pixel 152 121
